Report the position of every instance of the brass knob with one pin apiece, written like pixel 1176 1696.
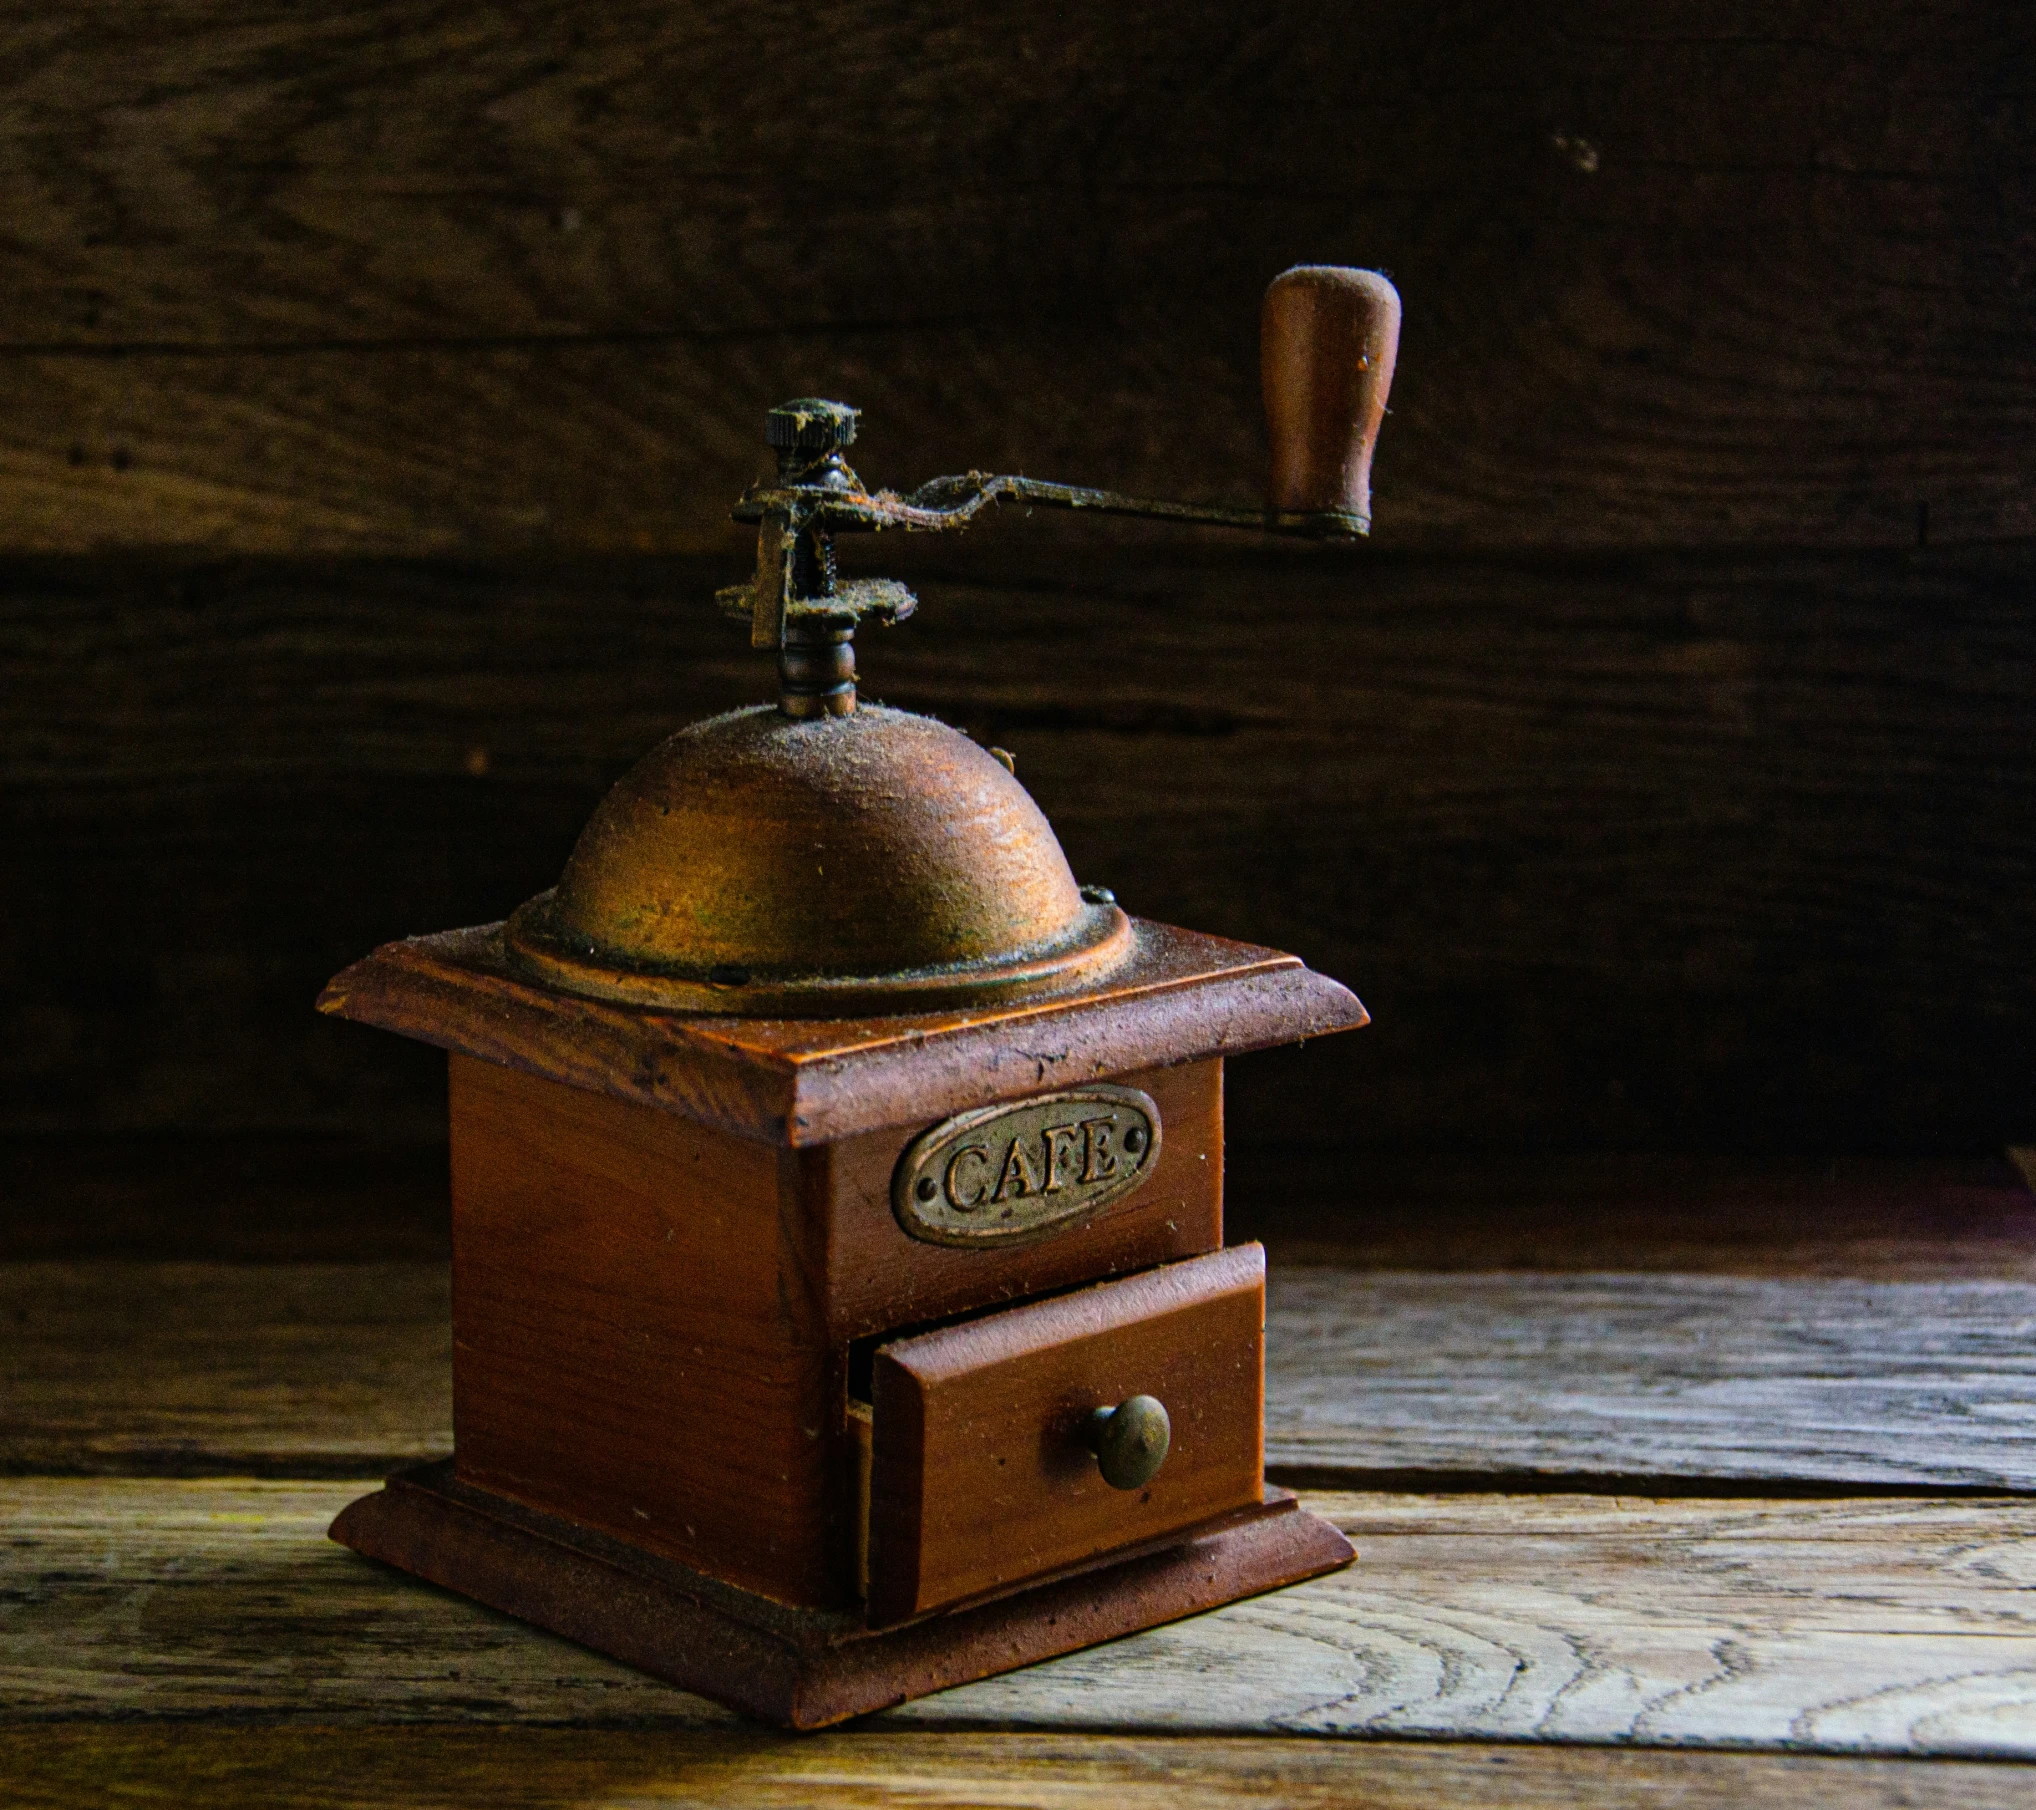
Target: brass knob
pixel 1130 1441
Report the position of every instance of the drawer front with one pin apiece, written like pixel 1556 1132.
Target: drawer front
pixel 980 1477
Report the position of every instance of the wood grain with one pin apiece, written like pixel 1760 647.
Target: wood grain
pixel 1718 852
pixel 978 1473
pixel 879 1278
pixel 1862 1219
pixel 298 1370
pixel 803 1668
pixel 1817 1627
pixel 1327 340
pixel 1711 1377
pixel 328 1199
pixel 651 1314
pixel 187 1597
pixel 469 280
pixel 1864 1627
pixel 640 1336
pixel 1695 1381
pixel 1180 996
pixel 61 1766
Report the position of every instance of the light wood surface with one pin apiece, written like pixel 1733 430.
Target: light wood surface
pixel 315 1369
pixel 1853 1627
pixel 1833 1627
pixel 54 1768
pixel 1809 1379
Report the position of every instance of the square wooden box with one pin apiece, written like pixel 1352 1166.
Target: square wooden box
pixel 717 1412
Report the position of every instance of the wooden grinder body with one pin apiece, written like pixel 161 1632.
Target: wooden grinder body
pixel 718 1412
pixel 653 1319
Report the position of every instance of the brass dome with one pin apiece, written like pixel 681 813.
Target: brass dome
pixel 757 865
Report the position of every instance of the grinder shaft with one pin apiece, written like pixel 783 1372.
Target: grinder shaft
pixel 1328 340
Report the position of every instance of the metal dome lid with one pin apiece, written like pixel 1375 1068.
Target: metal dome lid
pixel 760 864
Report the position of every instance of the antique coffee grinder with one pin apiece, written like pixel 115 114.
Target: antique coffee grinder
pixel 840 1302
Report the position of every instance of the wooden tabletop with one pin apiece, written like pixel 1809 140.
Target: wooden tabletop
pixel 1670 1483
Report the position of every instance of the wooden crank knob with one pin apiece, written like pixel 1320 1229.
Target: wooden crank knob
pixel 1130 1441
pixel 1328 338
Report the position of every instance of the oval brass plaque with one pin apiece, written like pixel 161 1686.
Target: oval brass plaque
pixel 1004 1174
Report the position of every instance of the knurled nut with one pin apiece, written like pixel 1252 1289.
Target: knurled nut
pixel 810 425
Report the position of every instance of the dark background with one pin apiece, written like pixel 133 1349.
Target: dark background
pixel 377 381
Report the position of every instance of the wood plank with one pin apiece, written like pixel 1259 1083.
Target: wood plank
pixel 297 1370
pixel 466 281
pixel 1816 1627
pixel 319 1370
pixel 195 1598
pixel 1714 1377
pixel 1680 853
pixel 1862 1218
pixel 1860 1627
pixel 58 1767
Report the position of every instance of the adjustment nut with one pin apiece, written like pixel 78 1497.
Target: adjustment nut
pixel 1130 1441
pixel 811 424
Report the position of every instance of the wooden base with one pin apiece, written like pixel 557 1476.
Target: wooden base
pixel 807 1668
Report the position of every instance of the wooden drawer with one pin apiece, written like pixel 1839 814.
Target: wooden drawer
pixel 979 1476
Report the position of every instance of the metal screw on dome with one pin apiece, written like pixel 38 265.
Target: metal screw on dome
pixel 808 427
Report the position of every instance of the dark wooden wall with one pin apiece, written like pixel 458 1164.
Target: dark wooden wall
pixel 376 380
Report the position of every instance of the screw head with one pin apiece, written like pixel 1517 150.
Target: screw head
pixel 811 424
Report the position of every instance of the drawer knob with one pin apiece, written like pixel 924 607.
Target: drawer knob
pixel 1129 1440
